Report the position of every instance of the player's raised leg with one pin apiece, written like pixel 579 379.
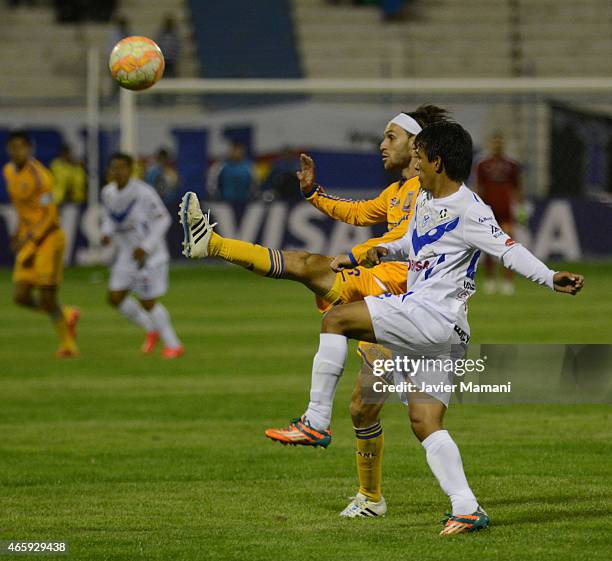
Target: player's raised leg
pixel 343 321
pixel 201 241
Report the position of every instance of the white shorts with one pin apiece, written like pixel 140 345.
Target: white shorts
pixel 412 331
pixel 147 283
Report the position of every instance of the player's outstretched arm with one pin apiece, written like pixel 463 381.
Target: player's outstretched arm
pixel 483 232
pixel 568 283
pixel 357 213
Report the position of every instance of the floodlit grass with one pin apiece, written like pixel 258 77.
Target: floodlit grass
pixel 129 457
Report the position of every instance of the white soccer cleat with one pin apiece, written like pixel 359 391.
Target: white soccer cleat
pixel 196 227
pixel 362 507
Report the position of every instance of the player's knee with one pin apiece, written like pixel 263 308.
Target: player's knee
pixel 333 322
pixel 48 303
pixel 148 304
pixel 114 299
pixel 362 415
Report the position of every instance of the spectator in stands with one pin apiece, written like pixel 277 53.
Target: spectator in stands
pixel 233 180
pixel 282 182
pixel 162 175
pixel 170 44
pixel 70 179
pixel 498 180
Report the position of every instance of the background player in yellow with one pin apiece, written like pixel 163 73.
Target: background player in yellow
pixel 394 206
pixel 39 240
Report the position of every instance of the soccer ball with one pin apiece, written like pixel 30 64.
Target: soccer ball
pixel 136 63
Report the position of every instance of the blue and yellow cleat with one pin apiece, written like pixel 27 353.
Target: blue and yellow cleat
pixel 462 523
pixel 300 432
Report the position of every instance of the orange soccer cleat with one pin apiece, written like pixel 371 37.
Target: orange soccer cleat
pixel 150 342
pixel 462 523
pixel 300 432
pixel 173 352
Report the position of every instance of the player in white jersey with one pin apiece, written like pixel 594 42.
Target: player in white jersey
pixel 450 229
pixel 136 221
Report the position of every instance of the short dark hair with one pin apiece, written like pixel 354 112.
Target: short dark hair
pixel 452 144
pixel 428 114
pixel 21 134
pixel 122 156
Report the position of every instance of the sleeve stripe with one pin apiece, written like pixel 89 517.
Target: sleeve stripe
pixel 334 198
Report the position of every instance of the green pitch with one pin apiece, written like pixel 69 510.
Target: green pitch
pixel 129 457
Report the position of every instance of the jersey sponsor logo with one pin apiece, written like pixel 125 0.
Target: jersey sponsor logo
pixel 443 213
pixel 483 219
pixel 121 216
pixel 464 295
pixel 509 242
pixel 433 235
pixel 463 336
pixel 394 202
pixel 414 265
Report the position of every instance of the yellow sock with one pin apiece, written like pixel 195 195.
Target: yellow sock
pixel 370 444
pixel 60 323
pixel 261 260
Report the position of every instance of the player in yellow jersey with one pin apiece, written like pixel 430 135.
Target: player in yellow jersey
pixel 39 240
pixel 332 285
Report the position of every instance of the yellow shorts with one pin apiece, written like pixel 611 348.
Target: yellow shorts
pixel 44 265
pixel 351 285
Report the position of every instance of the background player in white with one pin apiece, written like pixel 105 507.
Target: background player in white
pixel 136 220
pixel 450 228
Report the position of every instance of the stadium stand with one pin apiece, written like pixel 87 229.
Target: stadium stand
pixel 507 37
pixel 27 61
pixel 316 38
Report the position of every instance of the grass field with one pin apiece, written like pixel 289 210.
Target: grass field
pixel 129 457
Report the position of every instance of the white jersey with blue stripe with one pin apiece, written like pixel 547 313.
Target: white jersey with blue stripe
pixel 443 244
pixel 135 216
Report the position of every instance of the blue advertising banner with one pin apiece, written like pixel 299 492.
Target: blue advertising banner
pixel 568 229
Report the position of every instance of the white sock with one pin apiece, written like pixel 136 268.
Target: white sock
pixel 163 325
pixel 132 310
pixel 327 368
pixel 444 460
